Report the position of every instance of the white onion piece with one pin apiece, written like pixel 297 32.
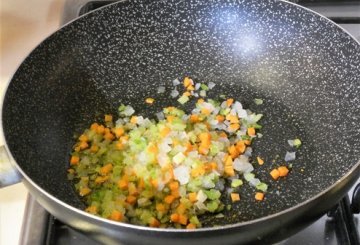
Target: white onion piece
pixel 289 156
pixel 211 85
pixel 201 196
pixel 161 89
pixel 242 164
pixel 254 182
pixel 197 86
pixel 182 174
pixel 176 82
pixel 160 116
pixel 174 93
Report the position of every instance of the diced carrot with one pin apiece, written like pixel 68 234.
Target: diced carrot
pixel 123 139
pixel 275 174
pixel 154 222
pixel 240 146
pixel 108 118
pixel 200 101
pixel 229 102
pixel 283 171
pixel 141 183
pixel 152 149
pixel 234 126
pixel 174 185
pixel 235 197
pixel 83 145
pixel 154 183
pixel 106 131
pixel 187 93
pixel 169 199
pixel 77 148
pixel 74 160
pixel 229 170
pixel 228 161
pixel 133 191
pixel 213 165
pixel 223 135
pixel 194 118
pixel 165 131
pixel 251 131
pixel 205 137
pixel 118 132
pixel 191 226
pixel 247 142
pixel 199 171
pixel 205 111
pixel 123 182
pixel 116 215
pixel 94 127
pixel 109 136
pixel 260 161
pixel 220 118
pixel 203 149
pixel 160 207
pixel 100 129
pixel 232 118
pixel 192 196
pixel 119 145
pixel 175 193
pixel 83 137
pixel 189 147
pixel 149 101
pixel 187 82
pixel 170 118
pixel 190 88
pixel 91 209
pixel 183 219
pixel 101 179
pixel 234 153
pixel 71 171
pixel 133 119
pixel 104 170
pixel 131 199
pixel 84 191
pixel 94 148
pixel 259 196
pixel 181 208
pixel 174 217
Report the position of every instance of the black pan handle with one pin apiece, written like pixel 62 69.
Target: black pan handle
pixel 355 202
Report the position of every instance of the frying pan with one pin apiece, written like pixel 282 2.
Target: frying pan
pixel 304 67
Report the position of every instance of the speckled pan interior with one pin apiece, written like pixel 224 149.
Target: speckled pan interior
pixel 305 68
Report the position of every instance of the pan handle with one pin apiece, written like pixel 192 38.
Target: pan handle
pixel 8 173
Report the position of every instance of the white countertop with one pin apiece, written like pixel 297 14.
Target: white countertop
pixel 23 25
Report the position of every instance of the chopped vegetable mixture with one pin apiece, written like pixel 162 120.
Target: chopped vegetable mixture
pixel 167 172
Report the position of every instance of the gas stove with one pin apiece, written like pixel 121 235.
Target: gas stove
pixel 340 225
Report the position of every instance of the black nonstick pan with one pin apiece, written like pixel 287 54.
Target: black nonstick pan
pixel 303 66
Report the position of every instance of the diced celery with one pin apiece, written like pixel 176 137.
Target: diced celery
pixel 262 187
pixel 212 206
pixel 213 194
pixel 258 101
pixel 183 99
pixel 297 143
pixel 249 176
pixel 236 183
pixel 203 86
